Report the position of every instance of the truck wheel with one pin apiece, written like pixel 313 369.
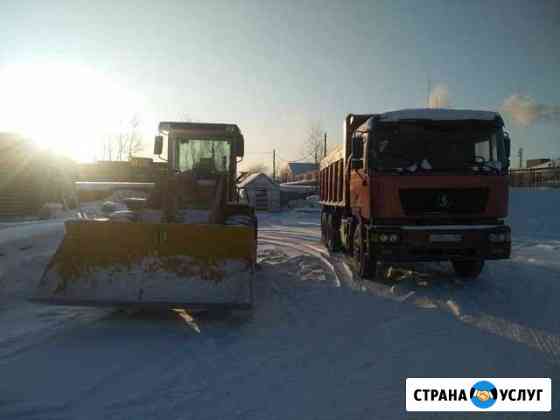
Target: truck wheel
pixel 324 227
pixel 468 269
pixel 332 233
pixel 365 265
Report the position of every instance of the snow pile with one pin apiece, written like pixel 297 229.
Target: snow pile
pixel 304 205
pixel 169 279
pixel 121 195
pixel 113 186
pixel 51 211
pixel 534 213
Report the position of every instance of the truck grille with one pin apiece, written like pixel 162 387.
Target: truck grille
pixel 444 201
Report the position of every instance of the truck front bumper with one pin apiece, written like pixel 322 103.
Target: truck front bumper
pixel 439 243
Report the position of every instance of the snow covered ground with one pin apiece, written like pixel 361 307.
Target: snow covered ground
pixel 320 344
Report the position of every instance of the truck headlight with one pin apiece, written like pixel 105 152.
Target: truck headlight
pixel 383 237
pixel 393 238
pixel 499 237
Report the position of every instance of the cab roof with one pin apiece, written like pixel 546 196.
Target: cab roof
pixel 214 128
pixel 439 114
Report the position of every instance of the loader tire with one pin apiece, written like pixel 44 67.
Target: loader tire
pixel 468 269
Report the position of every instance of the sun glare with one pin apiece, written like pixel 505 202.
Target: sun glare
pixel 69 109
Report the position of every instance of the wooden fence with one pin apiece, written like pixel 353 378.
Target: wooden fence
pixel 117 171
pixel 544 177
pixel 30 177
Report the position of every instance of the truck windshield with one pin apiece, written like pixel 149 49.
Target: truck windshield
pixel 432 149
pixel 204 156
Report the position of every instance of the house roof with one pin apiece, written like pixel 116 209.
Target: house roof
pixel 298 168
pixel 550 164
pixel 251 178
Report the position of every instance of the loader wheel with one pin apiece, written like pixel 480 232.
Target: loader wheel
pixel 469 269
pixel 365 265
pixel 332 233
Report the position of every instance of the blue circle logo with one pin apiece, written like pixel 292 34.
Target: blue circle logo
pixel 483 394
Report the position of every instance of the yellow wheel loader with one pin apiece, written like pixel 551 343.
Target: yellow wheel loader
pixel 190 244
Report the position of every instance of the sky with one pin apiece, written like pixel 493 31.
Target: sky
pixel 75 72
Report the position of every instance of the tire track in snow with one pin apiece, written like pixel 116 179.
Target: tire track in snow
pixel 281 242
pixel 426 297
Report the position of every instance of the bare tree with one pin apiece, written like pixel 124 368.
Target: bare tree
pixel 314 145
pixel 125 144
pixel 134 142
pixel 109 148
pixel 120 140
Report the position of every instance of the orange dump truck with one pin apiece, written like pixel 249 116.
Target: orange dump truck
pixel 418 185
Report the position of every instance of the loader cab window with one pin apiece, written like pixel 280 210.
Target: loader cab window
pixel 205 157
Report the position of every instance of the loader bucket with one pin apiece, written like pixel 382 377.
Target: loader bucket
pixel 102 263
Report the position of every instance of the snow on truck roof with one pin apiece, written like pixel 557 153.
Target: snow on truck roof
pixel 438 114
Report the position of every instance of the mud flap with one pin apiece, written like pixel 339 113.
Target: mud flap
pixel 102 263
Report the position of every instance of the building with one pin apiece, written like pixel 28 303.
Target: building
pixel 548 163
pixel 300 171
pixel 545 174
pixel 260 192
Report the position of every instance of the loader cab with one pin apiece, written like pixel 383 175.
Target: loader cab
pixel 200 147
pixel 204 150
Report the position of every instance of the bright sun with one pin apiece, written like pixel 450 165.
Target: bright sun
pixel 69 109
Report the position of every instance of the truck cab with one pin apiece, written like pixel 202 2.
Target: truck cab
pixel 419 185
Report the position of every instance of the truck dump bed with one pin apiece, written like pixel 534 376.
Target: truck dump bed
pixel 331 178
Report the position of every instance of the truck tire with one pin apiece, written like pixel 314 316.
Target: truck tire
pixel 332 233
pixel 324 227
pixel 365 265
pixel 468 269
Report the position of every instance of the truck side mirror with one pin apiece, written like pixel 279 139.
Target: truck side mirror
pixel 357 147
pixel 158 145
pixel 507 149
pixel 238 147
pixel 356 163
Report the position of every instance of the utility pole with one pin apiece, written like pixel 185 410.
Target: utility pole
pixel 520 154
pixel 429 91
pixel 273 165
pixel 325 146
